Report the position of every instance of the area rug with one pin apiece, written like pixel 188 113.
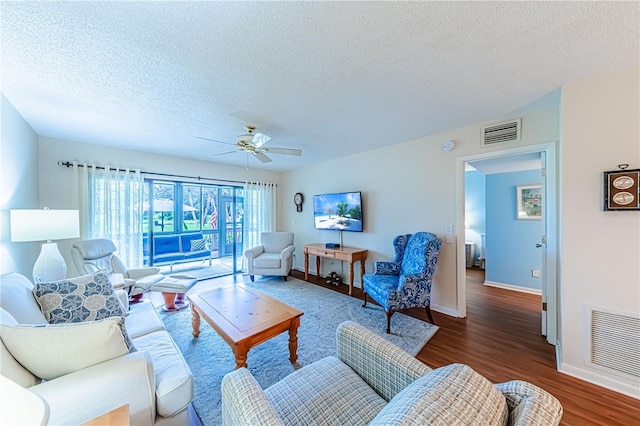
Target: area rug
pixel 210 358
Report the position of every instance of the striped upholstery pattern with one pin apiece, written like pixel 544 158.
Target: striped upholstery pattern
pixel 372 381
pixel 384 366
pixel 244 402
pixel 528 404
pixel 451 395
pixel 326 392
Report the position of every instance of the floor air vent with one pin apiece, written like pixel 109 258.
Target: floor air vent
pixel 615 342
pixel 501 133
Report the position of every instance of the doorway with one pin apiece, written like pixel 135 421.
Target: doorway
pixel 544 246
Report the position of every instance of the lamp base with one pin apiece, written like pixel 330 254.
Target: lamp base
pixel 50 265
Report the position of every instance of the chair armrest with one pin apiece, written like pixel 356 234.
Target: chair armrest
pixel 19 406
pixel 244 402
pixel 136 273
pixel 104 379
pixel 253 252
pixel 360 348
pixel 386 268
pixel 530 405
pixel 287 252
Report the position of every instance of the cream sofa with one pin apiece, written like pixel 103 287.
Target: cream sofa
pixel 154 380
pixel 371 381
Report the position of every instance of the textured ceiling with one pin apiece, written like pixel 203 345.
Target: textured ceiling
pixel 331 78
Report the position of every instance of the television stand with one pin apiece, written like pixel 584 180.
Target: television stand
pixel 343 254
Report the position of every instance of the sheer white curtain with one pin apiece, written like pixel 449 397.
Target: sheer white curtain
pixel 259 211
pixel 110 201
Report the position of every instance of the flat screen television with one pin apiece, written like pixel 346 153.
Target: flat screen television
pixel 338 212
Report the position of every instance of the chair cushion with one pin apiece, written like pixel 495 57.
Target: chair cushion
pixel 267 260
pixel 324 393
pixel 382 289
pixel 142 319
pixel 9 367
pixel 174 382
pixel 86 298
pixel 166 244
pixel 187 241
pixel 451 395
pixel 50 351
pixel 16 297
pixel 275 242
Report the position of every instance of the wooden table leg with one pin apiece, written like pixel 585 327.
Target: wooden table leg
pixel 318 266
pixel 350 278
pixel 195 321
pixel 293 340
pixel 241 356
pixel 306 266
pixel 362 274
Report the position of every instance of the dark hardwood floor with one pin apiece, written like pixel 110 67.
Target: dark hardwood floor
pixel 500 339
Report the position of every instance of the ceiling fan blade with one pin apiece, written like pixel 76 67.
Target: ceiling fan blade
pixel 226 152
pixel 260 156
pixel 213 140
pixel 259 139
pixel 286 151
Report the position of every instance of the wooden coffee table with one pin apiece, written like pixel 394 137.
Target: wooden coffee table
pixel 244 318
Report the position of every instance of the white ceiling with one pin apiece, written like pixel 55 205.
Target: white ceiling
pixel 332 78
pixel 507 164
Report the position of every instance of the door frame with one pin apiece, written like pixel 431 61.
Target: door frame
pixel 550 210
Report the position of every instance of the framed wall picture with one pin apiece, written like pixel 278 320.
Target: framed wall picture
pixel 529 201
pixel 621 190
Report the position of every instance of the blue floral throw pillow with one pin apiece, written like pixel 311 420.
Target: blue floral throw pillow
pixel 86 298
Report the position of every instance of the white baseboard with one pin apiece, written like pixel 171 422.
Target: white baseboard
pixel 603 381
pixel 444 310
pixel 514 287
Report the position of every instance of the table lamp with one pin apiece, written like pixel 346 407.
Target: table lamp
pixel 46 225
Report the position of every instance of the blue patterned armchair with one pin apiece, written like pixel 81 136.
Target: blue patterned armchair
pixel 405 282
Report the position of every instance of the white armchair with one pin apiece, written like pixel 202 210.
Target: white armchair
pixel 274 255
pixel 90 256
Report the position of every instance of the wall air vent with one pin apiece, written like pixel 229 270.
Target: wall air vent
pixel 500 133
pixel 615 342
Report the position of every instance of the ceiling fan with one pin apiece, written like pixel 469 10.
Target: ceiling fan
pixel 253 143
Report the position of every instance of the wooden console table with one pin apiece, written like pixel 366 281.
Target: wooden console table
pixel 344 254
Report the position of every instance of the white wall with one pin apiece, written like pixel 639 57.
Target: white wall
pixel 19 186
pixel 55 181
pixel 406 188
pixel 600 257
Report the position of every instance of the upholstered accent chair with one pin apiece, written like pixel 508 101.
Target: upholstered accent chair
pixel 274 255
pixel 405 282
pixel 90 256
pixel 370 381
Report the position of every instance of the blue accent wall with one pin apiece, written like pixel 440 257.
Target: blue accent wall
pixel 474 206
pixel 511 243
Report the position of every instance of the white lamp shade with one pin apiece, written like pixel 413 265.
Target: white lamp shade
pixel 44 225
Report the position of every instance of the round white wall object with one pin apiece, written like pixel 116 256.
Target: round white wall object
pixel 448 146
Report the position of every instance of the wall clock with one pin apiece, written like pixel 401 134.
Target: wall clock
pixel 298 199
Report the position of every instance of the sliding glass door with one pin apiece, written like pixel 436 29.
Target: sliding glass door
pixel 175 210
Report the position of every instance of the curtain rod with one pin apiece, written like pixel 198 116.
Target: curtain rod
pixel 70 164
